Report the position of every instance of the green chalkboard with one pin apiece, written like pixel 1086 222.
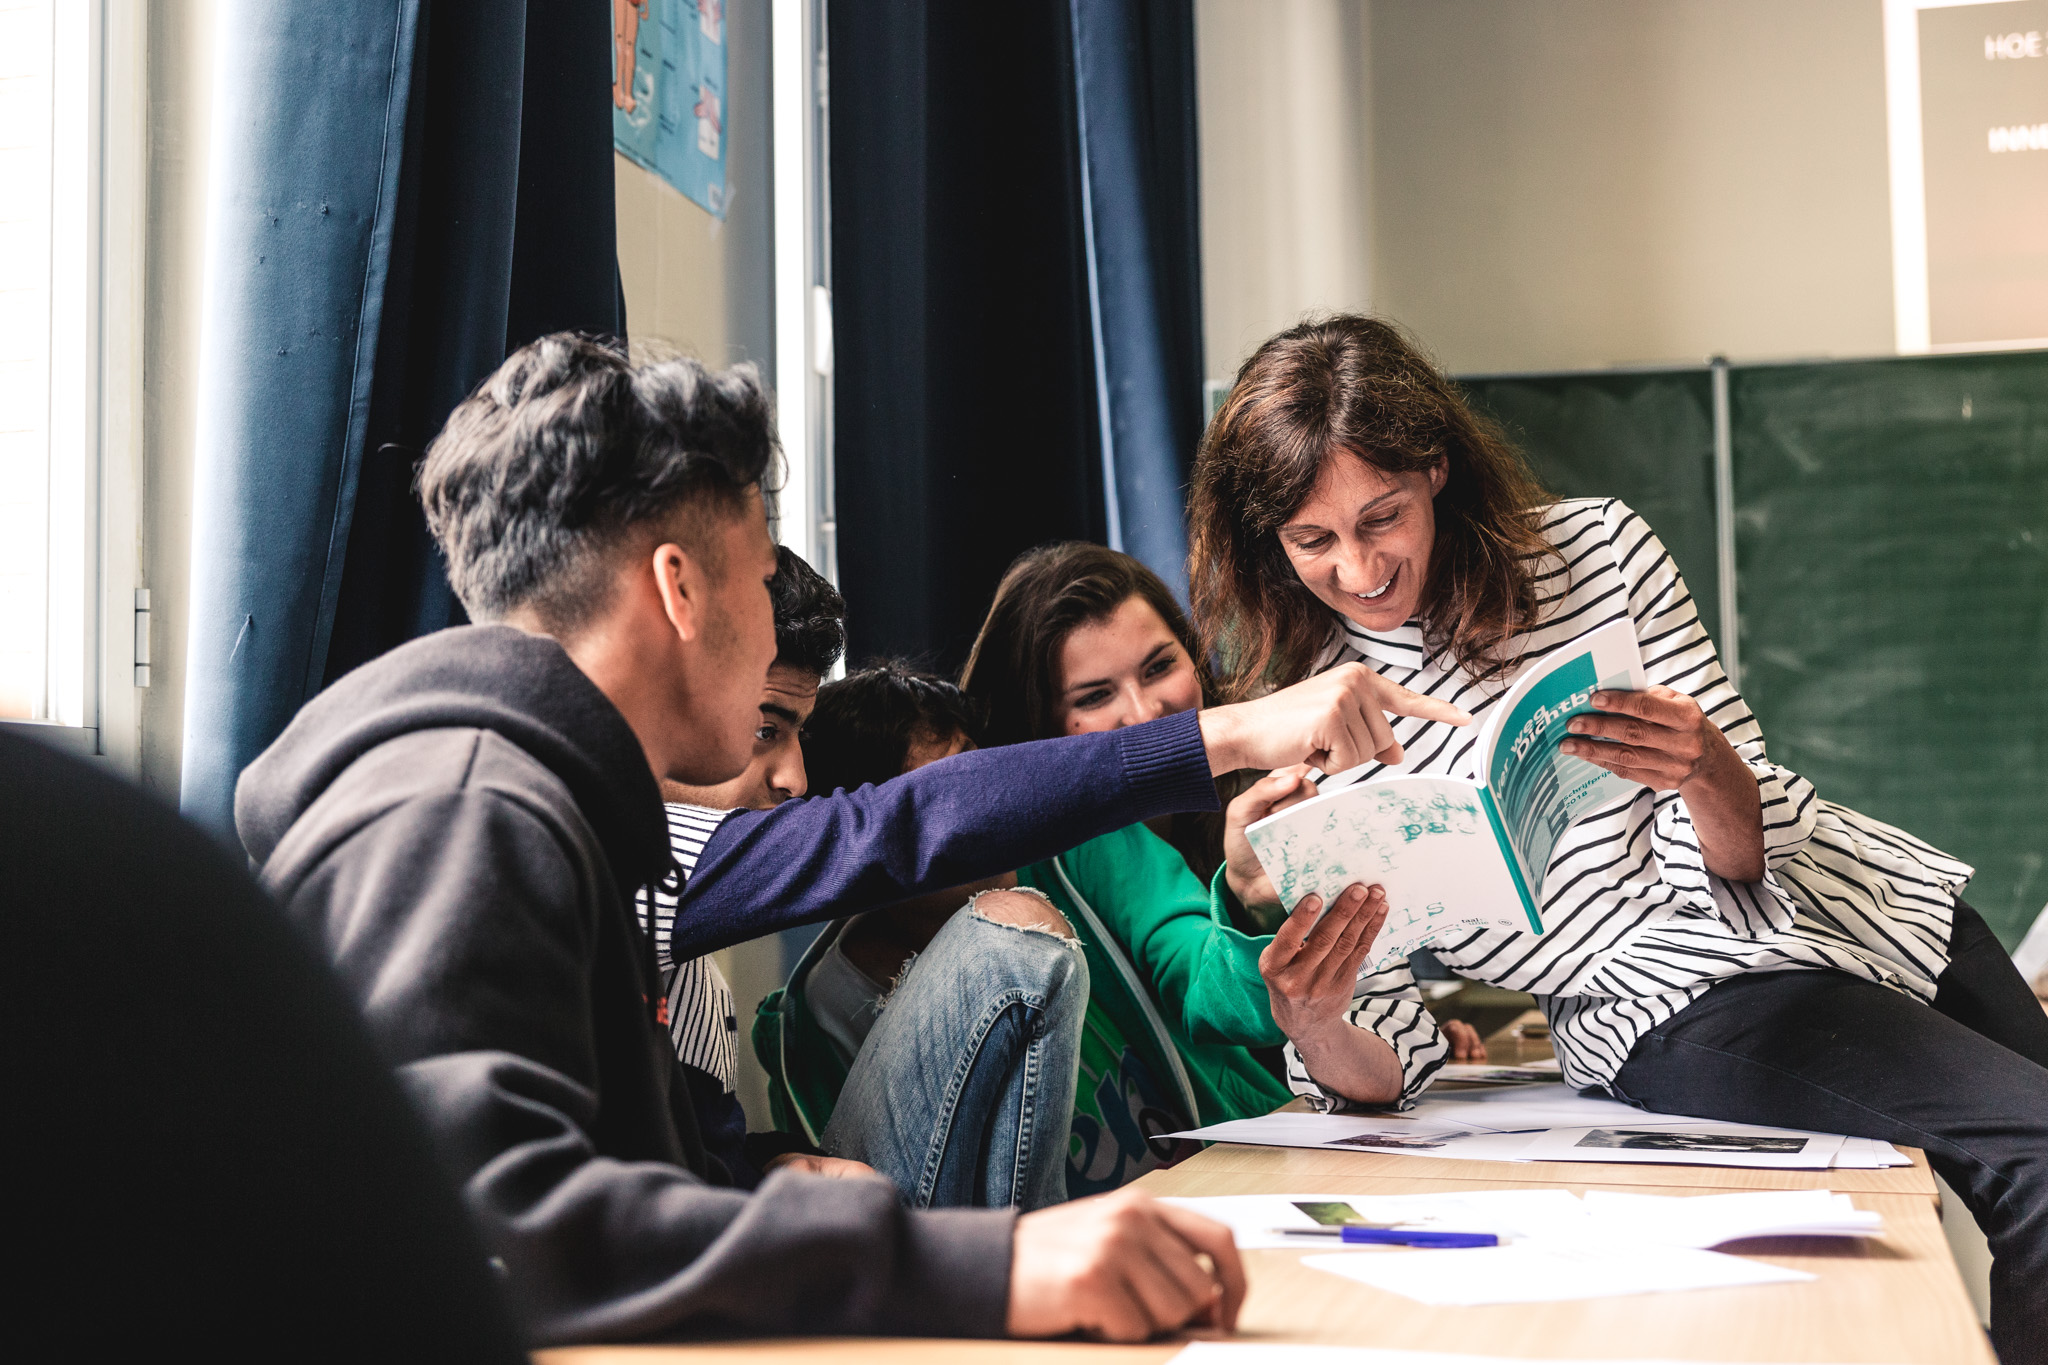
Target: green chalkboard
pixel 1892 580
pixel 1646 437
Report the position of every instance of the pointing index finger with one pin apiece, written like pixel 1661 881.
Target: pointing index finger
pixel 1409 703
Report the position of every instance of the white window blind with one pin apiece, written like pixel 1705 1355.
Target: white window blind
pixel 48 363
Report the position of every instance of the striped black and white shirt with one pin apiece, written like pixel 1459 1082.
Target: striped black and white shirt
pixel 703 1021
pixel 1635 927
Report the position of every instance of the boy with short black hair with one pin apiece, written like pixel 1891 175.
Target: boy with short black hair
pixel 810 635
pixel 886 718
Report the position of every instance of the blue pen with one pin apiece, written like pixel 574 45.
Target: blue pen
pixel 1397 1237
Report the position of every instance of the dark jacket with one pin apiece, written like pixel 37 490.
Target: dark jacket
pixel 227 1170
pixel 461 824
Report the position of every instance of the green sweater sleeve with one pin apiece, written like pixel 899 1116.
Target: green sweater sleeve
pixel 1203 972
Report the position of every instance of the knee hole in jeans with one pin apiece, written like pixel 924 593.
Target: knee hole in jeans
pixel 1024 908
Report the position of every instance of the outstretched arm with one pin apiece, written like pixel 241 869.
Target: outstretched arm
pixel 993 810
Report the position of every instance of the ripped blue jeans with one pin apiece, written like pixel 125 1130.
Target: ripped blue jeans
pixel 963 1090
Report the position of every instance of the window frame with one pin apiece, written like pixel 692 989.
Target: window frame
pixel 112 638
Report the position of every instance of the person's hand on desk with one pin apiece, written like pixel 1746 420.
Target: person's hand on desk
pixel 1466 1044
pixel 1335 720
pixel 837 1167
pixel 1311 975
pixel 1122 1267
pixel 1660 738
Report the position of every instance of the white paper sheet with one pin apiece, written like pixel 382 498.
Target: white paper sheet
pixel 1869 1154
pixel 1490 1073
pixel 1547 1272
pixel 1274 1353
pixel 1546 1123
pixel 1524 1107
pixel 1709 1220
pixel 1604 1218
pixel 1254 1218
pixel 1689 1144
pixel 1399 1134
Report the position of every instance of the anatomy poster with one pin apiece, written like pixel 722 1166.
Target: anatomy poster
pixel 668 92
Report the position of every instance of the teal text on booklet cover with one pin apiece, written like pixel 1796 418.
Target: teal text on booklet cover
pixel 1457 853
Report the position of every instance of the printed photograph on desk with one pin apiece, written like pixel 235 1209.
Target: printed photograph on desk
pixel 1483 1073
pixel 1401 1142
pixel 1677 1140
pixel 1692 1143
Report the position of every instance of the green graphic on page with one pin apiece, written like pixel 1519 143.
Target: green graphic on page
pixel 1454 853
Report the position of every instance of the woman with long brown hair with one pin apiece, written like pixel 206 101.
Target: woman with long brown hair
pixel 1724 943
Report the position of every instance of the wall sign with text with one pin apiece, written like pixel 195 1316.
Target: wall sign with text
pixel 1967 87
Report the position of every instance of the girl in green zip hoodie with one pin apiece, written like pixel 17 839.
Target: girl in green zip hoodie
pixel 1082 638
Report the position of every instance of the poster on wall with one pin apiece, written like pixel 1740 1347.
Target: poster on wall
pixel 668 93
pixel 1967 84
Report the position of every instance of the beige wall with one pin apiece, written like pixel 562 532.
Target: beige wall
pixel 672 262
pixel 1286 166
pixel 1577 182
pixel 180 62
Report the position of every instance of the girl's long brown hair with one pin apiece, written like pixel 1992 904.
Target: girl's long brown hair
pixel 1350 386
pixel 1046 594
pixel 1013 675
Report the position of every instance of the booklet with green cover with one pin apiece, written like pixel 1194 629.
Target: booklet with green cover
pixel 1455 854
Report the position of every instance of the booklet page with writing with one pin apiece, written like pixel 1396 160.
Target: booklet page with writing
pixel 1456 854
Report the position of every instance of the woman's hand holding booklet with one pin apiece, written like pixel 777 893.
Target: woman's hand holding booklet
pixel 1455 854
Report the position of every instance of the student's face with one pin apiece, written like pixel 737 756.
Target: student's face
pixel 738 641
pixel 1362 541
pixel 1124 670
pixel 775 774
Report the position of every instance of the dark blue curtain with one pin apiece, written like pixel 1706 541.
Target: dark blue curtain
pixel 1134 126
pixel 405 190
pixel 1016 298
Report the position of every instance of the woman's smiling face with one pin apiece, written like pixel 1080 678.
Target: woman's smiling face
pixel 1362 541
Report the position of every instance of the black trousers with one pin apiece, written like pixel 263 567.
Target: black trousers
pixel 1967 1080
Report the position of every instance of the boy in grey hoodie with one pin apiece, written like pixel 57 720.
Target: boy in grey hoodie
pixel 462 825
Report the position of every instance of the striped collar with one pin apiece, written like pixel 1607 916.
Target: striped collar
pixel 1402 647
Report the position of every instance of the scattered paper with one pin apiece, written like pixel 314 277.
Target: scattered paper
pixel 1552 1122
pixel 1689 1144
pixel 1869 1154
pixel 1545 1272
pixel 1525 1107
pixel 1487 1073
pixel 1400 1134
pixel 1263 1353
pixel 1601 1218
pixel 1258 1220
pixel 1708 1220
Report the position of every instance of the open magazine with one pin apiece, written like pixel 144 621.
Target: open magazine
pixel 1453 854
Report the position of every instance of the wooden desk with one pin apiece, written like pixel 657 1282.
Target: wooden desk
pixel 1896 1300
pixel 1299 1168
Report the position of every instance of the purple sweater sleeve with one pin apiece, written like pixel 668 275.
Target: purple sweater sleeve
pixel 957 820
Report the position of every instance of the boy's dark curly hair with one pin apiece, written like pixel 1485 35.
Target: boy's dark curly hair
pixel 570 453
pixel 865 723
pixel 810 615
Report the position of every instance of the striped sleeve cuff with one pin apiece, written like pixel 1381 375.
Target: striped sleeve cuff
pixel 1790 809
pixel 1753 909
pixel 1390 1008
pixel 1167 765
